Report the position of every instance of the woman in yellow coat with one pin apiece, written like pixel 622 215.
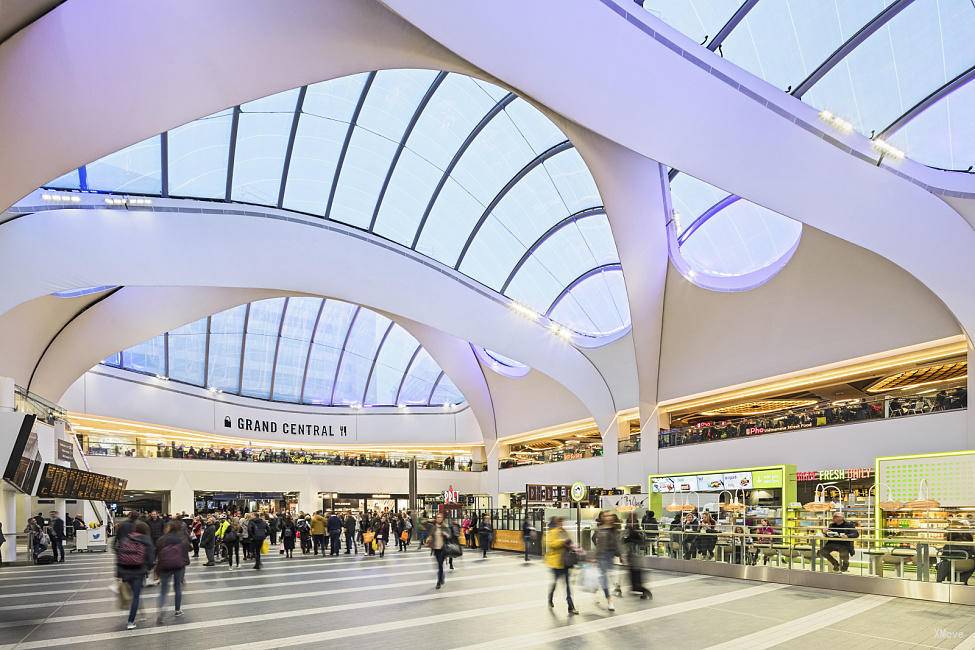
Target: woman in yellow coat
pixel 557 542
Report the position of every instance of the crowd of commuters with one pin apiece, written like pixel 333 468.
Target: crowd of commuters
pixel 46 536
pixel 816 415
pixel 268 455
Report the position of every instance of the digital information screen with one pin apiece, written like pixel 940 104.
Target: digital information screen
pixel 24 460
pixel 547 493
pixel 66 483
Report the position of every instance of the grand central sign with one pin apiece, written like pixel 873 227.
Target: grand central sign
pixel 282 425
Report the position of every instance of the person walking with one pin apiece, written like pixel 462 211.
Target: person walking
pixel 382 535
pixel 288 533
pixel 318 532
pixel 423 527
pixel 304 532
pixel 134 557
pixel 173 556
pixel 607 541
pixel 57 536
pixel 273 523
pixel 348 525
pixel 231 543
pixel 557 546
pixel 527 535
pixel 258 532
pixel 440 536
pixel 485 534
pixel 634 538
pixel 208 539
pixel 196 530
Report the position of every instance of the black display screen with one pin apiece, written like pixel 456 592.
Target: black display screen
pixel 25 457
pixel 67 483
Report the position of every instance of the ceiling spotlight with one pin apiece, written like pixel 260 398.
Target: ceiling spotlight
pixel 402 406
pixel 447 406
pixel 162 377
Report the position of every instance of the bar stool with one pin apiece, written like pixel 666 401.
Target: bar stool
pixel 876 556
pixel 780 550
pixel 803 552
pixel 900 557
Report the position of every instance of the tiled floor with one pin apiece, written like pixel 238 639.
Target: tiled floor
pixel 352 601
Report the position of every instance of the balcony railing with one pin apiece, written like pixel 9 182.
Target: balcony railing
pixel 523 458
pixel 823 414
pixel 287 456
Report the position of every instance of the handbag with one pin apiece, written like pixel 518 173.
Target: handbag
pixel 590 578
pixel 375 545
pixel 404 536
pixel 367 537
pixel 452 549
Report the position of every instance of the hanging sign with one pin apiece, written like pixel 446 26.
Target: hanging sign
pixel 851 474
pixel 450 495
pixel 578 492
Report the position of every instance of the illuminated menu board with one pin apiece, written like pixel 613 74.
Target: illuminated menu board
pixel 547 493
pixel 703 482
pixel 66 483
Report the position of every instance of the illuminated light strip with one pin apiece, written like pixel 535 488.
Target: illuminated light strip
pixel 836 122
pixel 921 376
pixel 931 351
pixel 887 149
pixel 760 407
pixel 60 198
pixel 524 311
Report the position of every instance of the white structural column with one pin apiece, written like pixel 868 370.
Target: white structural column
pixel 970 412
pixel 8 517
pixel 181 496
pixel 635 192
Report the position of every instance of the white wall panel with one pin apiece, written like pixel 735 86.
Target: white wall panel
pixel 833 301
pixel 587 470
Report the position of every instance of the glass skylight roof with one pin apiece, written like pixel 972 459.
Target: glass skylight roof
pixel 301 350
pixel 722 235
pixel 894 69
pixel 452 167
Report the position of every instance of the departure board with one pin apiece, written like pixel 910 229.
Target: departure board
pixel 66 483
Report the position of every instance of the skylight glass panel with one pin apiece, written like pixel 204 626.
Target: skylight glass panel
pixel 943 135
pixel 296 333
pixel 784 41
pixel 419 381
pixel 69 181
pixel 740 239
pixel 539 131
pixel 919 50
pixel 390 104
pixel 406 198
pixel 360 350
pixel 494 158
pixel 114 360
pixel 448 119
pixel 534 285
pixel 187 352
pixel 134 169
pixel 450 222
pixel 446 393
pixel 391 364
pixel 335 99
pixel 691 198
pixel 263 325
pixel 573 181
pixel 322 127
pixel 148 357
pixel 602 301
pixel 198 154
pixel 494 92
pixel 333 327
pixel 226 338
pixel 263 130
pixel 530 208
pixel 493 253
pixel 700 20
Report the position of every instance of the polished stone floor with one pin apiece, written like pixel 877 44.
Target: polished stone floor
pixel 356 602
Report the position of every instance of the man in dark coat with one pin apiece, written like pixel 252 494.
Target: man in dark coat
pixel 57 536
pixel 334 527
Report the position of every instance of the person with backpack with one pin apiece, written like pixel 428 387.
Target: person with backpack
pixel 57 536
pixel 560 556
pixel 333 526
pixel 304 532
pixel 245 536
pixel 257 532
pixel 134 557
pixel 172 558
pixel 208 539
pixel 288 532
pixel 231 543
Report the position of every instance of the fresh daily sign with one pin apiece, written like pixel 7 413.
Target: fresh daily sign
pixel 262 424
